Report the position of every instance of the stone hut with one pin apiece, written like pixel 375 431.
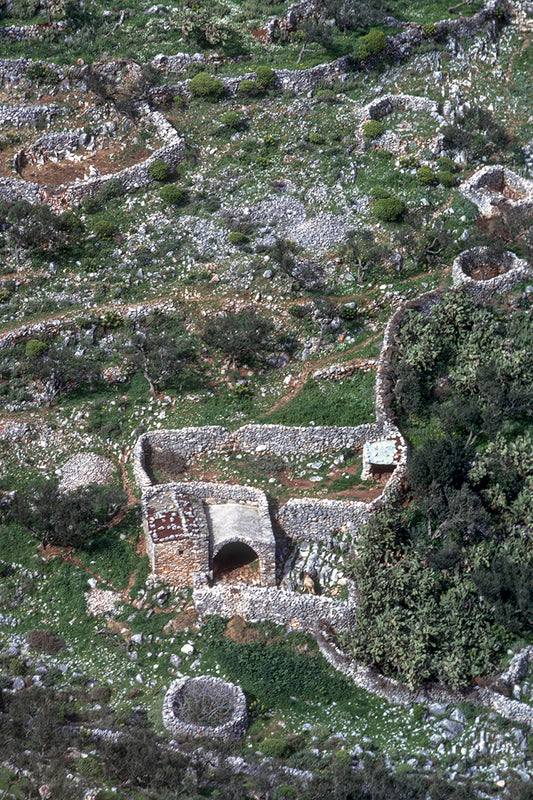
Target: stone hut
pixel 199 534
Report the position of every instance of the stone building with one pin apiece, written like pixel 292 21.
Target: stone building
pixel 196 534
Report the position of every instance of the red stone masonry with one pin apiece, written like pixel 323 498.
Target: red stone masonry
pixel 178 522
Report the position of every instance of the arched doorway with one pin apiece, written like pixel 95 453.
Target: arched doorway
pixel 236 562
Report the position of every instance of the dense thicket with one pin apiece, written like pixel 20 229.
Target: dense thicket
pixel 446 583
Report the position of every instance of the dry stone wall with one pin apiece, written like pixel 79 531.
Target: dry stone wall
pixel 396 692
pixel 58 144
pixel 307 518
pixel 131 178
pixel 216 688
pixel 386 104
pixel 20 32
pixel 17 189
pixel 498 191
pixel 22 116
pixel 512 269
pixel 255 603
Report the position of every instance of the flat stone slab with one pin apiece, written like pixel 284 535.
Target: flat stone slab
pixel 236 521
pixel 381 453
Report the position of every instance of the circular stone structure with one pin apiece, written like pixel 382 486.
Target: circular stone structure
pixel 205 707
pixel 482 265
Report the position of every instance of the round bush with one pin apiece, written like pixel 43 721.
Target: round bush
pixel 446 178
pixel 159 170
pixel 265 75
pixel 315 137
pixel 173 195
pixel 373 128
pixel 91 204
pixel 275 747
pixel 248 87
pixel 111 319
pixel 205 86
pixel 425 176
pixel 445 164
pixel 408 162
pixel 231 119
pixel 4 295
pixel 236 237
pixel 372 44
pixel 389 209
pixel 326 96
pixel 35 348
pixel 378 193
pixel 104 229
pixel 350 313
pixel 113 188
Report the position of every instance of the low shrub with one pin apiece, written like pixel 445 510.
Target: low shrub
pixel 373 128
pixel 113 188
pixel 173 195
pixel 236 237
pixel 372 44
pixel 326 96
pixel 206 86
pixel 35 348
pixel 430 29
pixel 445 164
pixel 275 747
pixel 248 87
pixel 349 313
pixel 111 319
pixel 389 209
pixel 265 75
pixel 408 162
pixel 315 137
pixel 446 178
pixel 45 642
pixel 425 176
pixel 4 295
pixel 43 73
pixel 159 170
pixel 379 193
pixel 233 120
pixel 91 204
pixel 104 229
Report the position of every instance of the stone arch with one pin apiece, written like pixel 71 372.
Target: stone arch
pixel 232 557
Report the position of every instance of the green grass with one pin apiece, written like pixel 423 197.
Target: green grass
pixel 111 557
pixel 349 402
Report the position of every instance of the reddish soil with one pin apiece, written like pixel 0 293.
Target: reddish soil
pixel 238 630
pixel 298 485
pixel 55 174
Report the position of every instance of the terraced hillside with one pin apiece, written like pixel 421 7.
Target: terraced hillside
pixel 208 216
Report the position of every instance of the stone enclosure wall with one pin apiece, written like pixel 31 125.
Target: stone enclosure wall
pixel 498 191
pixel 512 269
pixel 256 603
pixel 386 104
pixel 217 688
pixel 57 145
pixel 396 692
pixel 308 518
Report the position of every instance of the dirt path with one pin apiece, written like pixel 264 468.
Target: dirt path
pixel 316 365
pixel 518 52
